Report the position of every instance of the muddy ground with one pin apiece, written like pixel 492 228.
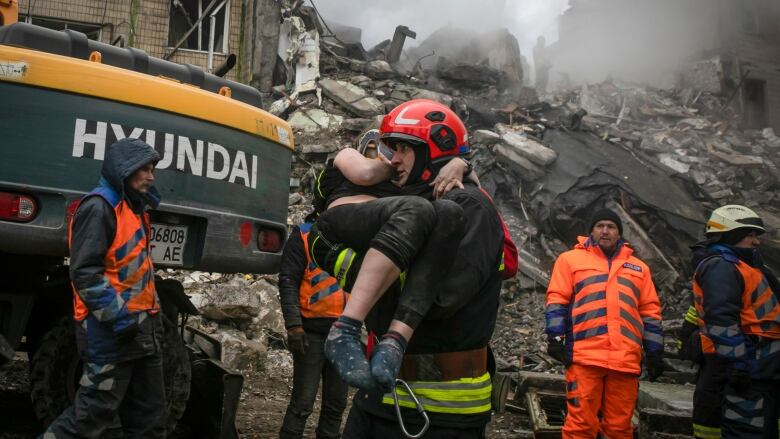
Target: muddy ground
pixel 263 402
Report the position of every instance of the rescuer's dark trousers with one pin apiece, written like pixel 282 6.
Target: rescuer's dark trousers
pixel 752 414
pixel 133 390
pixel 414 233
pixel 363 425
pixel 308 370
pixel 708 396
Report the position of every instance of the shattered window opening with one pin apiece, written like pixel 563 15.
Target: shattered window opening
pixel 93 31
pixel 184 14
pixel 754 93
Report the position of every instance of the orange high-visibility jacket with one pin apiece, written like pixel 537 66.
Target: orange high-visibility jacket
pixel 723 331
pixel 608 310
pixel 128 281
pixel 320 294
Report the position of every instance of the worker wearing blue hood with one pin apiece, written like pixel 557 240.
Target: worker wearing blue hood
pixel 116 309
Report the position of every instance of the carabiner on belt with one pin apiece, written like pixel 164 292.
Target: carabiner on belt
pixel 419 407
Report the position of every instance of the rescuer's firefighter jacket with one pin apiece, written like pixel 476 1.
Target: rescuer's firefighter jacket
pixel 309 295
pixel 462 319
pixel 110 263
pixel 739 314
pixel 607 309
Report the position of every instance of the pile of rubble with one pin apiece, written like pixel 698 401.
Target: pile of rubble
pixel 662 158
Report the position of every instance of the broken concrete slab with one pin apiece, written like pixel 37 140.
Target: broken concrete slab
pixel 512 157
pixel 318 150
pixel 232 301
pixel 313 120
pixel 669 397
pixel 362 81
pixel 485 137
pixel 527 147
pixel 397 45
pixel 466 74
pixel 670 162
pixel 379 70
pixel 355 124
pixel 353 98
pixel 771 138
pixel 403 93
pixel 270 316
pixel 737 159
pixel 239 352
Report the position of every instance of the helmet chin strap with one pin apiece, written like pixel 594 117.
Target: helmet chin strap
pixel 420 170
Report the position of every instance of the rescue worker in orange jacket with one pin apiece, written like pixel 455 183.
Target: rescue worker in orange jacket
pixel 602 311
pixel 116 310
pixel 736 299
pixel 311 301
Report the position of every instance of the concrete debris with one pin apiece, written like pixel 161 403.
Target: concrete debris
pixel 669 161
pixel 397 45
pixel 353 98
pixel 661 158
pixel 403 93
pixel 527 147
pixel 485 137
pixel 239 352
pixel 467 74
pixel 517 161
pixel 236 298
pixel 314 120
pixel 379 69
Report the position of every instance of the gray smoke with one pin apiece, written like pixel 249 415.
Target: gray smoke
pixel 525 19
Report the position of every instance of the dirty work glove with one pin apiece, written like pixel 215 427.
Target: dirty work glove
pixel 386 359
pixel 127 334
pixel 557 349
pixel 345 353
pixel 296 340
pixel 655 366
pixel 740 381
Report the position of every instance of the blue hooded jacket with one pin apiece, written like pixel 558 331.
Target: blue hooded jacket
pixel 93 231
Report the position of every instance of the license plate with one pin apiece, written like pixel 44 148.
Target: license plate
pixel 167 244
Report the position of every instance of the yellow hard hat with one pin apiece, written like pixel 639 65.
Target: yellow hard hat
pixel 732 217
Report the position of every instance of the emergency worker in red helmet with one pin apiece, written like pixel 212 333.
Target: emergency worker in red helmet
pixel 445 363
pixel 369 223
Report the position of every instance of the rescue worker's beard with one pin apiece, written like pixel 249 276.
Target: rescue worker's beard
pixel 136 199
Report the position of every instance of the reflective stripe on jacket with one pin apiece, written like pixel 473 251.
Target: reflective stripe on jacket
pixel 731 314
pixel 127 288
pixel 322 295
pixel 607 309
pixel 465 396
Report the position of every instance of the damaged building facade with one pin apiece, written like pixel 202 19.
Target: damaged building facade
pixel 727 47
pixel 662 157
pixel 181 31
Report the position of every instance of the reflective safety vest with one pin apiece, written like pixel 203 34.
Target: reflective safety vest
pixel 760 315
pixel 128 266
pixel 320 294
pixel 608 310
pixel 465 396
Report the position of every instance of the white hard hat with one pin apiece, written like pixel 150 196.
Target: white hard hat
pixel 732 217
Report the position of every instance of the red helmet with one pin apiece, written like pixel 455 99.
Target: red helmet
pixel 428 122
